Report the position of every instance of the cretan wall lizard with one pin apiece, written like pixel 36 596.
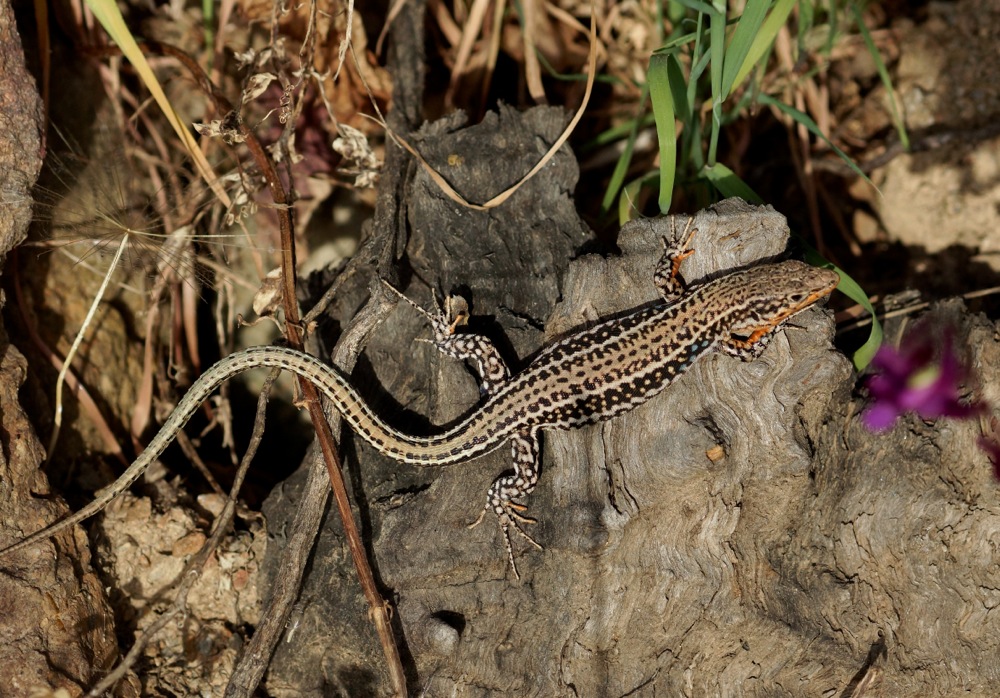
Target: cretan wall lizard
pixel 586 377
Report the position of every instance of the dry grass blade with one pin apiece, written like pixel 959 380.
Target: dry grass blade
pixel 470 32
pixel 79 390
pixel 345 43
pixel 397 5
pixel 450 192
pixel 492 53
pixel 532 68
pixel 88 208
pixel 61 380
pixel 110 17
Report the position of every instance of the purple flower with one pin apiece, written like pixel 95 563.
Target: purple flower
pixel 910 379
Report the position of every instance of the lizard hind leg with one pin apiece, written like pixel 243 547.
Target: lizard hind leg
pixel 503 494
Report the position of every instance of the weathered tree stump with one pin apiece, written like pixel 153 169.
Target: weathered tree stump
pixel 664 528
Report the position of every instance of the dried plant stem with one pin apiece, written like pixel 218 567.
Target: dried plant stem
pixel 86 402
pixel 470 32
pixel 492 53
pixel 262 647
pixel 450 192
pixel 532 69
pixel 60 381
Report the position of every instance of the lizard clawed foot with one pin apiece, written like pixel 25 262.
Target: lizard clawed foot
pixel 509 517
pixel 682 241
pixel 444 320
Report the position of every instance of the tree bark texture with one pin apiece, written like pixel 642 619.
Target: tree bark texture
pixel 741 534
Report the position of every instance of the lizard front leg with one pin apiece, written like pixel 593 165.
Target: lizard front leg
pixel 503 494
pixel 474 348
pixel 478 350
pixel 747 341
pixel 675 251
pixel 746 349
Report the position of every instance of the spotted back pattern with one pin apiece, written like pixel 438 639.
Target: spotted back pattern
pixel 588 376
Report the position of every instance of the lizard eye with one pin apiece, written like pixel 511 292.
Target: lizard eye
pixel 797 297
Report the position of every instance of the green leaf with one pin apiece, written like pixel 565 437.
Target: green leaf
pixel 807 16
pixel 883 74
pixel 765 37
pixel 697 70
pixel 678 88
pixel 702 7
pixel 661 95
pixel 728 184
pixel 717 49
pixel 673 44
pixel 630 194
pixel 850 288
pixel 624 160
pixel 615 133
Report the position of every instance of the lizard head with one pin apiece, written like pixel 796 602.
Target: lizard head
pixel 771 294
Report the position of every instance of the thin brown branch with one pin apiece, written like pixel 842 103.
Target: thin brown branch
pixel 191 453
pixel 378 606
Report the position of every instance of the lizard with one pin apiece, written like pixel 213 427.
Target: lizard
pixel 588 376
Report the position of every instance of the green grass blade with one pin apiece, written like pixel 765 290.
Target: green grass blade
pixel 717 49
pixel 675 12
pixel 806 121
pixel 747 28
pixel 806 20
pixel 701 7
pixel 697 70
pixel 850 288
pixel 208 24
pixel 678 88
pixel 618 174
pixel 883 73
pixel 765 37
pixel 674 44
pixel 574 77
pixel 699 61
pixel 615 133
pixel 662 97
pixel 728 184
pixel 624 160
pixel 630 193
pixel 695 154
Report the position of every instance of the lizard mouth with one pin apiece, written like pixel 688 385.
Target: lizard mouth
pixel 807 301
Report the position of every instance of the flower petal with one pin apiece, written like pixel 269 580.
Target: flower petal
pixel 880 416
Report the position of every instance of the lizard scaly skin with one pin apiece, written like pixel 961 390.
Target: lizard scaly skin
pixel 586 377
